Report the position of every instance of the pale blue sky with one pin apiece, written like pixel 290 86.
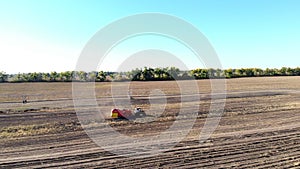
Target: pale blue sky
pixel 48 35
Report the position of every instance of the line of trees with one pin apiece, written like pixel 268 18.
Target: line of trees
pixel 67 76
pixel 146 74
pixel 244 72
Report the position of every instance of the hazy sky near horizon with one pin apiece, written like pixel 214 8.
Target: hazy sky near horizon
pixel 49 35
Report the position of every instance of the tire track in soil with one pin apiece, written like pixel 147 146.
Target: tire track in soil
pixel 252 141
pixel 182 151
pixel 231 151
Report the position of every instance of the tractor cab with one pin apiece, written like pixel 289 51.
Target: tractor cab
pixel 139 112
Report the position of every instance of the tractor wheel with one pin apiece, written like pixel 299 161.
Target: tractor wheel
pixel 140 114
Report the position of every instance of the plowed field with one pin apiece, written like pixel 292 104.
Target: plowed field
pixel 260 127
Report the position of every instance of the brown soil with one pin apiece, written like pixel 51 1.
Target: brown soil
pixel 260 127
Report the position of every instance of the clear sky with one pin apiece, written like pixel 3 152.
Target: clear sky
pixel 49 35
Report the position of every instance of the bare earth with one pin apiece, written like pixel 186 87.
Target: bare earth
pixel 260 127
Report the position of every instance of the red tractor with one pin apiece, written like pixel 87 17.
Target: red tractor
pixel 127 114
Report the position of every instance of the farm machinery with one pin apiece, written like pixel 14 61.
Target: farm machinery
pixel 127 114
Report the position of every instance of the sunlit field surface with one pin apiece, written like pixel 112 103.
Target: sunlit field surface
pixel 260 126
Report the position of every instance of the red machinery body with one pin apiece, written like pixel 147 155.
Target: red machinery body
pixel 125 113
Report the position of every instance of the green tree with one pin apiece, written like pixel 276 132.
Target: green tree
pixel 283 71
pixel 258 72
pixel 147 74
pixel 249 72
pixel 219 73
pixel 66 76
pixel 3 77
pixel 34 77
pixel 46 77
pixel 18 78
pixel 211 73
pixel 228 73
pixel 296 71
pixel 54 76
pixel 289 71
pixel 101 76
pixel 241 72
pixel 173 72
pixel 92 76
pixel 196 73
pixel 82 76
pixel 158 72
